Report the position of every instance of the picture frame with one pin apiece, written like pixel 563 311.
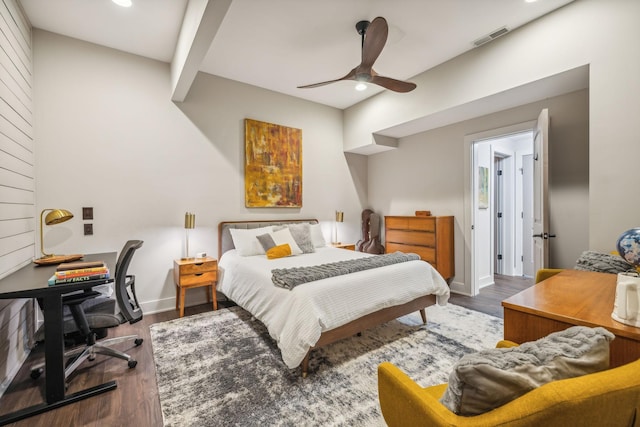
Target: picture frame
pixel 483 187
pixel 273 165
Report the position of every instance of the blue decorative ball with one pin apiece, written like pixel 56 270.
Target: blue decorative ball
pixel 628 246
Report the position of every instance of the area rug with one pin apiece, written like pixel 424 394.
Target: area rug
pixel 222 369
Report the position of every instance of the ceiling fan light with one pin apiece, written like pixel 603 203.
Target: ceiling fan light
pixel 123 3
pixel 361 86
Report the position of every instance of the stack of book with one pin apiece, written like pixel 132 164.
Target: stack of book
pixel 73 272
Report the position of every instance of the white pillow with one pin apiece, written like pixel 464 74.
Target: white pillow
pixel 316 236
pixel 246 242
pixel 302 235
pixel 284 236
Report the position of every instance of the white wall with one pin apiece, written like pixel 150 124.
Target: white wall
pixel 427 172
pixel 17 172
pixel 600 34
pixel 108 136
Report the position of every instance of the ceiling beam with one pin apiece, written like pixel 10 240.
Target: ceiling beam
pixel 201 22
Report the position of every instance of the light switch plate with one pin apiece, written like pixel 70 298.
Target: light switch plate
pixel 87 213
pixel 88 229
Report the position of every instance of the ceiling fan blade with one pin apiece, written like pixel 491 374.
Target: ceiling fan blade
pixel 374 40
pixel 393 84
pixel 374 36
pixel 350 76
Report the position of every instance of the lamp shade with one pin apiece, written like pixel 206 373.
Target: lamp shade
pixel 189 220
pixel 56 216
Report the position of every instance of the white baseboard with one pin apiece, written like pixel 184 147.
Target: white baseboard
pixel 486 281
pixel 192 297
pixel 459 288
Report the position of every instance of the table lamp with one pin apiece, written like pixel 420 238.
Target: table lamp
pixel 189 224
pixel 339 218
pixel 55 216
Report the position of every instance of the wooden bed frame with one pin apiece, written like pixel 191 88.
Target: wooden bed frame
pixel 368 321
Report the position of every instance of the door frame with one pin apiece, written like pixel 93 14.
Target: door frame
pixel 470 180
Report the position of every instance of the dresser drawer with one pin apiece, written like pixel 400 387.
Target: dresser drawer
pixel 422 238
pixel 199 267
pixel 411 223
pixel 425 253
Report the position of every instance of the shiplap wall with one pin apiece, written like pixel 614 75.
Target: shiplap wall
pixel 17 186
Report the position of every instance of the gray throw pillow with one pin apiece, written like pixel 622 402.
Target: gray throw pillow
pixel 490 378
pixel 266 241
pixel 302 235
pixel 602 263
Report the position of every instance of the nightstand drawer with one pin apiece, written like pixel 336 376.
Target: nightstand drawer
pixel 197 278
pixel 198 267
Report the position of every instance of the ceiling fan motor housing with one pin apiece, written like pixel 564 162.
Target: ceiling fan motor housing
pixel 361 27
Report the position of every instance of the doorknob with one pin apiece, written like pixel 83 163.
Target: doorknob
pixel 544 236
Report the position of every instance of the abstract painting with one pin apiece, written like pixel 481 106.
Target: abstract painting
pixel 483 187
pixel 273 165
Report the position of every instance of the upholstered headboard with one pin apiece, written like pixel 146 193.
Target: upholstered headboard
pixel 225 242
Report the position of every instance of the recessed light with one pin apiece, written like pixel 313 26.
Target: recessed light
pixel 361 86
pixel 123 3
pixel 530 1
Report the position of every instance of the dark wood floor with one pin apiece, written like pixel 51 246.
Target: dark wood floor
pixel 489 298
pixel 135 401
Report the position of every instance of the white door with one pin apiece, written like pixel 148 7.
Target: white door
pixel 540 192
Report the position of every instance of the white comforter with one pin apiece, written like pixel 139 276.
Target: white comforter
pixel 296 318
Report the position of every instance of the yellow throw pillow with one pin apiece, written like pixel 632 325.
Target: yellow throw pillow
pixel 279 251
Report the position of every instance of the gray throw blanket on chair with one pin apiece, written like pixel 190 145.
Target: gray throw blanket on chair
pixel 289 278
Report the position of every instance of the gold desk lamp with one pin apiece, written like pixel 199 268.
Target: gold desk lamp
pixel 55 216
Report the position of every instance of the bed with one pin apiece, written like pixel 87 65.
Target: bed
pixel 320 312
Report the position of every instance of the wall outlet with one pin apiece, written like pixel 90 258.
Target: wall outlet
pixel 88 229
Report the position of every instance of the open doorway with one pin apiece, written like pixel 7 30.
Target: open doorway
pixel 503 206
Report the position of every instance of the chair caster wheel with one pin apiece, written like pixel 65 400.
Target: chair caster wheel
pixel 35 373
pixel 138 341
pixel 132 363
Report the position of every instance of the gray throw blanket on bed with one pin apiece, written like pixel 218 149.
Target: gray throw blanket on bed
pixel 289 278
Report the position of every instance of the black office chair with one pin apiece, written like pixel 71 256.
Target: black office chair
pixel 90 314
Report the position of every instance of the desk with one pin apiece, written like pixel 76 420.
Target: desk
pixel 31 282
pixel 567 299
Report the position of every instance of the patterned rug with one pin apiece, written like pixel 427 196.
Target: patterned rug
pixel 222 368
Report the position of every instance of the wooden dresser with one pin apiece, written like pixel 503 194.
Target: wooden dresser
pixel 431 237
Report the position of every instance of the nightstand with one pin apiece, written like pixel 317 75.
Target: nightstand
pixel 349 246
pixel 194 273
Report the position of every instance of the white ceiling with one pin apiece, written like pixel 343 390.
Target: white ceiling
pixel 281 44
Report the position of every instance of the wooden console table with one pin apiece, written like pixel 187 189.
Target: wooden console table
pixel 567 299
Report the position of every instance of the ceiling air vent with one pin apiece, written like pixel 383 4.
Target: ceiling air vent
pixel 491 36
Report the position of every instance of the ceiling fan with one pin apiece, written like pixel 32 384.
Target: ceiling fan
pixel 374 37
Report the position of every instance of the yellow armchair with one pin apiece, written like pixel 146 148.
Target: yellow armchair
pixel 545 273
pixel 607 398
